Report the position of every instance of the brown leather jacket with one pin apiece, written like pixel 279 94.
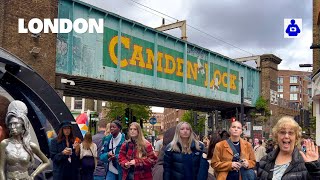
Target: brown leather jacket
pixel 222 158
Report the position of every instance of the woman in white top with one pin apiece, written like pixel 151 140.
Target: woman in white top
pixel 88 155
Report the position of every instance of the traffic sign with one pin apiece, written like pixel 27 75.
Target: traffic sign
pixel 153 120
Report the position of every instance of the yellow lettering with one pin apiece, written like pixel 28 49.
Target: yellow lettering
pixel 160 56
pixel 113 42
pixel 150 59
pixel 232 82
pixel 169 60
pixel 215 76
pixel 224 80
pixel 192 69
pixel 179 67
pixel 137 56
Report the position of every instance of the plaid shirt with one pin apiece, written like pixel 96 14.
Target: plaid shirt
pixel 142 168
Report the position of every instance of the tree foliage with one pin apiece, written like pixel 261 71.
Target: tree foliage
pixel 199 127
pixel 117 109
pixel 261 104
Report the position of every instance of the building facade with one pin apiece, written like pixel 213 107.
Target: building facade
pixel 172 117
pixel 316 66
pixel 295 88
pixel 158 127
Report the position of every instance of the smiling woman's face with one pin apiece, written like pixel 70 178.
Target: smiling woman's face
pixel 286 139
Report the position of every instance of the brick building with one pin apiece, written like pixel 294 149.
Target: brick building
pixel 38 51
pixel 316 66
pixel 295 87
pixel 158 126
pixel 171 117
pixel 268 64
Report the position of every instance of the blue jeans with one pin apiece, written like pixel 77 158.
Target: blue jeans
pixel 99 177
pixel 111 176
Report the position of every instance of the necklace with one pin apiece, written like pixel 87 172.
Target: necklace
pixel 236 144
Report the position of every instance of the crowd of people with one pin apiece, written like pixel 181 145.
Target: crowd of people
pixel 179 155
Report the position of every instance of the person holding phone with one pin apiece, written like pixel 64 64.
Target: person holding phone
pixel 65 153
pixel 234 156
pixel 287 161
pixel 110 151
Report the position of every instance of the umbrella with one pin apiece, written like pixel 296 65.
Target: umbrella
pixel 82 118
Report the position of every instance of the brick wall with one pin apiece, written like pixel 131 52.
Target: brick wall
pixel 22 44
pixel 316 38
pixel 269 74
pixel 269 80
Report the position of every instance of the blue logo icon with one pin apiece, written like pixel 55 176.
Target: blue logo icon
pixel 292 28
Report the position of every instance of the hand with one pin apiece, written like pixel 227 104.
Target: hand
pixel 127 165
pixel 312 153
pixel 67 151
pixel 111 156
pixel 132 162
pixel 75 144
pixel 245 163
pixel 236 166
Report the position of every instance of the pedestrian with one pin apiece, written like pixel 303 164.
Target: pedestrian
pixel 100 171
pixel 136 155
pixel 107 132
pixel 4 103
pixel 65 154
pixel 234 155
pixel 88 157
pixel 183 156
pixel 259 152
pixel 214 140
pixel 158 145
pixel 110 151
pixel 287 161
pixel 17 151
pixel 157 170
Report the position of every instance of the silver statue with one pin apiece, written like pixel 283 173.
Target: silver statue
pixel 17 152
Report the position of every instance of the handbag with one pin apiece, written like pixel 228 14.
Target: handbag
pixel 88 162
pixel 246 174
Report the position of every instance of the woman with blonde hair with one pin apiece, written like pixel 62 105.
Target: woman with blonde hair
pixel 107 129
pixel 136 155
pixel 287 161
pixel 88 156
pixel 183 156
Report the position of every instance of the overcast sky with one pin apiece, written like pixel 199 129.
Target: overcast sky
pixel 254 26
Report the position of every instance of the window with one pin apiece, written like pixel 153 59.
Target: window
pixel 280 88
pixel 293 79
pixel 280 80
pixel 293 97
pixel 77 103
pixel 294 88
pixel 280 96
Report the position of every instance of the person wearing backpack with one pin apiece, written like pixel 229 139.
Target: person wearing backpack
pixel 110 151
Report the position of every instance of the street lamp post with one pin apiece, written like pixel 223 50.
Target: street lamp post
pixel 242 101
